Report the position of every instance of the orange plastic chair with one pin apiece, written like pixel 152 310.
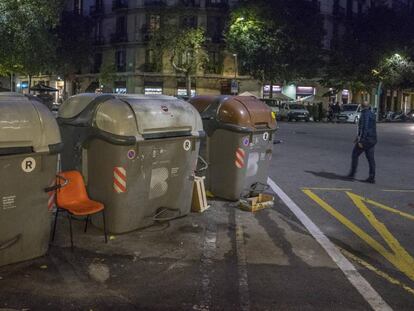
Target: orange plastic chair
pixel 71 196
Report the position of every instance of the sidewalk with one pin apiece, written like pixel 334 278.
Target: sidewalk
pixel 223 259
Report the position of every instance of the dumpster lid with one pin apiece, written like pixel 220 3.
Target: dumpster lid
pixel 141 116
pixel 74 105
pixel 245 112
pixel 25 122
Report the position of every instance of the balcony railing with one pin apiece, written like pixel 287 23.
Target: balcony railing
pixel 96 10
pixel 217 4
pixel 119 37
pixel 155 3
pixel 119 5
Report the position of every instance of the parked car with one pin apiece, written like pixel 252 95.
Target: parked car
pixel 294 111
pixel 350 113
pixel 274 105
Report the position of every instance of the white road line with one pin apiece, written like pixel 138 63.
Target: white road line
pixel 352 274
pixel 242 269
pixel 407 191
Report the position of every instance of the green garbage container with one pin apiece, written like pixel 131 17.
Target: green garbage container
pixel 239 143
pixel 29 143
pixel 137 154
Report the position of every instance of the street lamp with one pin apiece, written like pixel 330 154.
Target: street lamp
pixel 235 66
pixel 234 84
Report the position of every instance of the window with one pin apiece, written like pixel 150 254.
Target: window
pixel 153 62
pixel 121 25
pixel 120 60
pixel 78 6
pixel 97 63
pixel 215 28
pixel 214 62
pixel 185 58
pixel 154 22
pixel 189 21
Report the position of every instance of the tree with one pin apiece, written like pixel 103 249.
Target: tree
pixel 184 47
pixel 74 45
pixel 396 72
pixel 107 75
pixel 275 41
pixel 27 41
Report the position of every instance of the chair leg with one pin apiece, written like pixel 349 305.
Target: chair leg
pixel 86 223
pixel 70 229
pixel 54 225
pixel 104 226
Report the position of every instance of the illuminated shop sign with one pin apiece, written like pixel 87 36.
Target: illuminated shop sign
pixel 153 90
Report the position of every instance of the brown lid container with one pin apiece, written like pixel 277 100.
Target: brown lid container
pixel 244 112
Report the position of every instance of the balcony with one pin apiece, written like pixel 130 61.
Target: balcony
pixel 119 5
pixel 155 3
pixel 119 37
pixel 190 3
pixel 96 10
pixel 219 4
pixel 146 33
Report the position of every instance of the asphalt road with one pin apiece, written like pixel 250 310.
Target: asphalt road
pixel 226 259
pixel 373 224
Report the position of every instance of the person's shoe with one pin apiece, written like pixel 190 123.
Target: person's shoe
pixel 350 176
pixel 370 180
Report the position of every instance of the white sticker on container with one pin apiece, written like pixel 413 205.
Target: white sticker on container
pixel 266 136
pixel 187 145
pixel 8 202
pixel 28 165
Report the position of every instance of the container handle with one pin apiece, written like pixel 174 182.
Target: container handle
pixel 205 165
pixel 10 242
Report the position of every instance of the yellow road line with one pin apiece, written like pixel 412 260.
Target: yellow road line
pixel 327 189
pixel 377 271
pixel 385 207
pixel 399 257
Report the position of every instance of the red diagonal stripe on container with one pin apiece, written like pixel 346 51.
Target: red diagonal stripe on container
pixel 239 161
pixel 239 164
pixel 119 187
pixel 120 173
pixel 119 180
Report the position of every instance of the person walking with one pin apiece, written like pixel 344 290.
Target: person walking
pixel 365 142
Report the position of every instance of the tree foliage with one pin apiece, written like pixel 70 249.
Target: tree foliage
pixel 275 40
pixel 74 45
pixel 395 72
pixel 28 44
pixel 184 47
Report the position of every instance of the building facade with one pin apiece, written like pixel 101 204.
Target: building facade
pixel 121 34
pixel 122 30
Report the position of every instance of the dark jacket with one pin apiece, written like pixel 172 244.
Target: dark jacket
pixel 367 128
